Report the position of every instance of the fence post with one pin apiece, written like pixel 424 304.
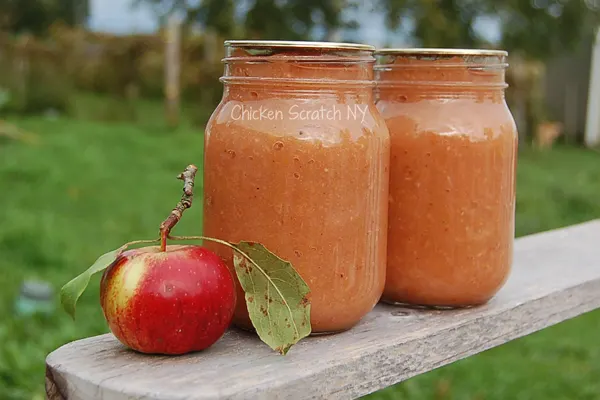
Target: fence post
pixel 592 125
pixel 172 70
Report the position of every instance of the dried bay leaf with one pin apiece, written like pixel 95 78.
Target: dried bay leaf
pixel 276 296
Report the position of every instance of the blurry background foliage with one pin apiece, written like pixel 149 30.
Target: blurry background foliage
pixel 48 60
pixel 82 122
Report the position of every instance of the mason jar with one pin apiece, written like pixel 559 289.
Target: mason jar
pixel 452 175
pixel 296 158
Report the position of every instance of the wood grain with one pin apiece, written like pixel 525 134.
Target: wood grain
pixel 556 276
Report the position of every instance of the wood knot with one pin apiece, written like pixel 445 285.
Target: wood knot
pixel 400 313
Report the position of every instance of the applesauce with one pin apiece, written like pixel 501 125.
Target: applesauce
pixel 296 158
pixel 452 175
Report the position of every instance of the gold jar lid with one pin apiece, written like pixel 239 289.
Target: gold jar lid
pixel 282 44
pixel 441 52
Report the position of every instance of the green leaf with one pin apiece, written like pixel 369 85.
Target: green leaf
pixel 70 293
pixel 276 296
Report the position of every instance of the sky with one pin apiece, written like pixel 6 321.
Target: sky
pixel 117 16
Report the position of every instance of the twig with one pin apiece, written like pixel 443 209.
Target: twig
pixel 187 176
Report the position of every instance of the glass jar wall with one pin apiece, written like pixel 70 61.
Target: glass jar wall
pixel 452 175
pixel 296 158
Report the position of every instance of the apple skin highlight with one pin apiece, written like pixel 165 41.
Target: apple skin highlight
pixel 172 302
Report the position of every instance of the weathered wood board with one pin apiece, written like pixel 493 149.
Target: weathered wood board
pixel 556 276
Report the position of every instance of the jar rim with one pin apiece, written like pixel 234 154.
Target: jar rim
pixel 440 52
pixel 299 44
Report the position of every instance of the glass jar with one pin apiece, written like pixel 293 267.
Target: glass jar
pixel 452 175
pixel 296 158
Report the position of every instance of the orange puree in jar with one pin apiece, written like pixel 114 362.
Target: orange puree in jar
pixel 296 158
pixel 452 175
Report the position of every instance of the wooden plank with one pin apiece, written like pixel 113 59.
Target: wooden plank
pixel 556 276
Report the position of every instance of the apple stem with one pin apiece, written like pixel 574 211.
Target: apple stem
pixel 187 176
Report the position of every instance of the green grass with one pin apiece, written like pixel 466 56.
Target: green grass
pixel 88 187
pixel 146 113
pixel 82 190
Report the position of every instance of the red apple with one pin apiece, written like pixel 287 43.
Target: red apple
pixel 172 302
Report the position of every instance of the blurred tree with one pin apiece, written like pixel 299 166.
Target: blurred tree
pixel 72 12
pixel 275 19
pixel 295 19
pixel 536 28
pixel 436 23
pixel 542 28
pixel 215 15
pixel 36 16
